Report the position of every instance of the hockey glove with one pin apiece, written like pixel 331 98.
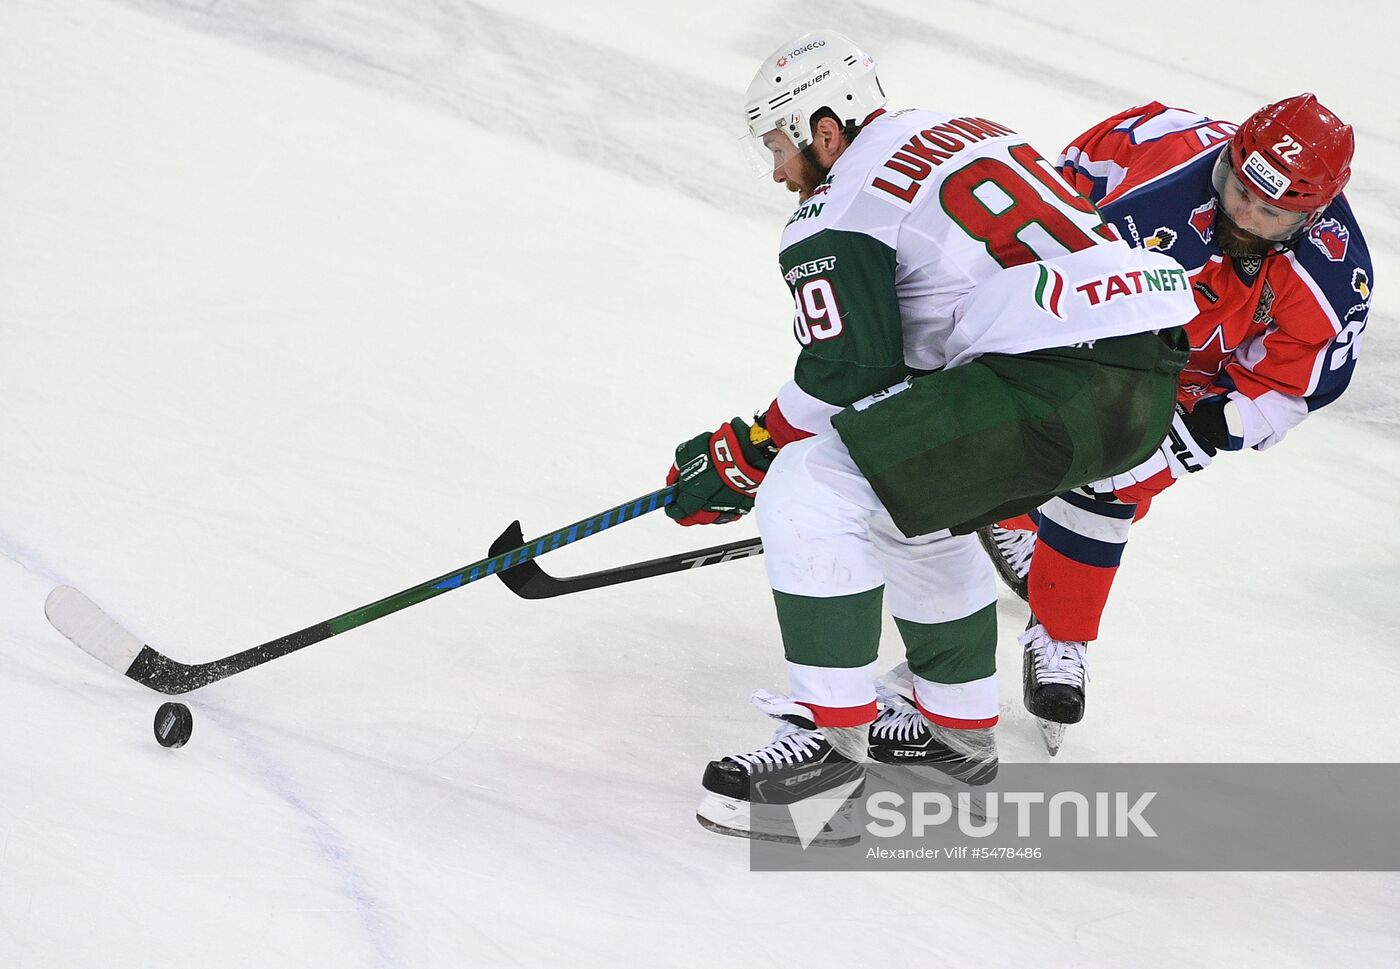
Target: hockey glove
pixel 1182 453
pixel 717 474
pixel 1209 427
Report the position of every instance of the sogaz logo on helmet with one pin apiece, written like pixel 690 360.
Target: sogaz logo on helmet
pixel 1265 176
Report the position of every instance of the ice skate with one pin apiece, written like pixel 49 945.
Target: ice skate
pixel 1054 674
pixel 792 779
pixel 903 735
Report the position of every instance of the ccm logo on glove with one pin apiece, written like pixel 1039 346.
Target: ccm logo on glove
pixel 722 444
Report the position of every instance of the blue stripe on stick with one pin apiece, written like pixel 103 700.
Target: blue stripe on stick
pixel 556 540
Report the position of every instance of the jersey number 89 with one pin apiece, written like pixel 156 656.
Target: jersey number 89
pixel 817 316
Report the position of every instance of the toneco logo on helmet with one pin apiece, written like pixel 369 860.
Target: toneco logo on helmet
pixel 802 50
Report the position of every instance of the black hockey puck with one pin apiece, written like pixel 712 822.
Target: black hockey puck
pixel 174 722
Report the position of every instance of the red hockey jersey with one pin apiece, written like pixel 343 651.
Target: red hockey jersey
pixel 1279 333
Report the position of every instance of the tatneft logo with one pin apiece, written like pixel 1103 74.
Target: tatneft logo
pixel 1132 283
pixel 1048 290
pixel 1265 176
pixel 813 267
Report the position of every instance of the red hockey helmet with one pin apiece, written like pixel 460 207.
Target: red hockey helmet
pixel 1294 154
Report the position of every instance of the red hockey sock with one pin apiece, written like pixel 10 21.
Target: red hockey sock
pixel 1080 544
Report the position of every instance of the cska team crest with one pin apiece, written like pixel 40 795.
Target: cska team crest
pixel 1203 220
pixel 1331 237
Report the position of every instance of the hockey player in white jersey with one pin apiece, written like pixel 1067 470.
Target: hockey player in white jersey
pixel 943 249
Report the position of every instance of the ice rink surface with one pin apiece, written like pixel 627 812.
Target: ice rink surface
pixel 302 302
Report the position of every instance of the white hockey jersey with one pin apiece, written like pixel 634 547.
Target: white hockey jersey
pixel 937 239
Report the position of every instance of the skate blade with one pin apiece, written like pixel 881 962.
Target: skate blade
pixel 731 817
pixel 1052 733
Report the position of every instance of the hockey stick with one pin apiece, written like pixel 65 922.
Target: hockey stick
pixel 96 633
pixel 529 581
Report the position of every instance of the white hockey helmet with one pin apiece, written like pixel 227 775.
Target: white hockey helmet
pixel 821 69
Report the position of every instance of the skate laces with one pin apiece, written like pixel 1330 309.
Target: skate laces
pixel 900 719
pixel 791 744
pixel 1015 547
pixel 1056 661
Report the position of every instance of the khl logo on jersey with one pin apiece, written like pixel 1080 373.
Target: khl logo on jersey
pixel 1203 220
pixel 1331 237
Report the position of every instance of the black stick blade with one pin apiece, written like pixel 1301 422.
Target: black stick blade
pixel 529 581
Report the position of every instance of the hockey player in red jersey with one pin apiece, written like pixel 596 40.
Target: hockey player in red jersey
pixel 1283 282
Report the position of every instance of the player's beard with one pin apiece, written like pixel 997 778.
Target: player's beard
pixel 803 175
pixel 1236 242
